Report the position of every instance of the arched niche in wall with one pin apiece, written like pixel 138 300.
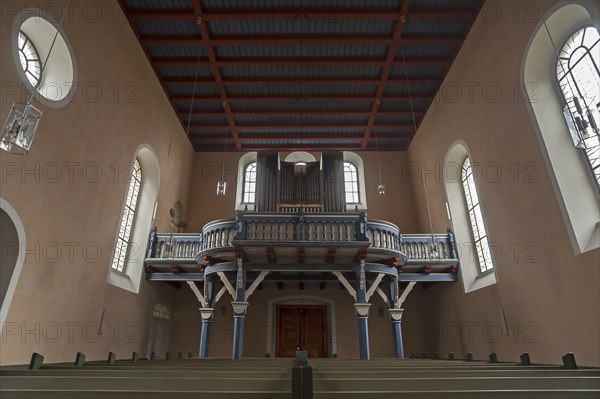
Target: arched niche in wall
pixel 12 243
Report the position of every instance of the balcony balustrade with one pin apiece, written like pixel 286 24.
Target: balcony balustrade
pixel 302 230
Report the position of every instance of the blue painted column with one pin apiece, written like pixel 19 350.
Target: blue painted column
pixel 207 318
pixel 240 306
pixel 239 317
pixel 362 314
pixel 361 308
pixel 396 318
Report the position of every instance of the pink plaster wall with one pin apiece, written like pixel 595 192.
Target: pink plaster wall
pixel 550 296
pixel 58 296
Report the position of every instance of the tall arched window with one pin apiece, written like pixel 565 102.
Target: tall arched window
pixel 478 232
pixel 249 190
pixel 351 183
pixel 122 247
pixel 141 186
pixel 578 75
pixel 568 167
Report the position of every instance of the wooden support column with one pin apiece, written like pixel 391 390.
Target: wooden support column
pixel 240 306
pixel 206 312
pixel 361 307
pixel 396 318
pixel 396 311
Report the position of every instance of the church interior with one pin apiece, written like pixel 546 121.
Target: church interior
pixel 228 193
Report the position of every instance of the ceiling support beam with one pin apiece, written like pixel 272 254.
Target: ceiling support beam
pixel 294 81
pixel 279 112
pixel 249 14
pixel 299 61
pixel 305 98
pixel 407 126
pixel 289 40
pixel 216 70
pixel 391 53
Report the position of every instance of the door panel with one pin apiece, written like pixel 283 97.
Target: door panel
pixel 289 331
pixel 301 327
pixel 313 333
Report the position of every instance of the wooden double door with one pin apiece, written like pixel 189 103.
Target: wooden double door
pixel 301 327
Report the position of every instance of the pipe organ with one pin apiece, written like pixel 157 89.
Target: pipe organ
pixel 286 186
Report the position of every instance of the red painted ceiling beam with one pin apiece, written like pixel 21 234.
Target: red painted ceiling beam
pixel 212 57
pixel 280 138
pixel 284 112
pixel 363 13
pixel 297 81
pixel 289 40
pixel 303 99
pixel 299 61
pixel 391 52
pixel 200 126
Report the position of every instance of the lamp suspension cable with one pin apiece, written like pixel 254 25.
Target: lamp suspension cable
pixel 19 130
pixel 381 186
pixel 222 184
pixel 414 121
pixel 187 129
pixel 62 18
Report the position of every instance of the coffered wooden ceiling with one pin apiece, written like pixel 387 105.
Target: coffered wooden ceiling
pixel 300 74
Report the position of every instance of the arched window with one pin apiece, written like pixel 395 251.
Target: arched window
pixel 466 216
pixel 568 167
pixel 249 189
pixel 351 183
pixel 478 232
pixel 30 60
pixel 579 79
pixel 161 312
pixel 122 247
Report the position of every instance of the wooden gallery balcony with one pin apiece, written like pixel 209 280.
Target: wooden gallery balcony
pixel 302 246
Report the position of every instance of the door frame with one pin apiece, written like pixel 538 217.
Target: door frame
pixel 300 300
pixel 323 307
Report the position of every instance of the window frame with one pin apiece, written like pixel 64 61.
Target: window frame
pixel 126 225
pixel 568 79
pixel 572 181
pixel 458 216
pixel 130 278
pixel 246 183
pixel 479 233
pixel 37 62
pixel 354 183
